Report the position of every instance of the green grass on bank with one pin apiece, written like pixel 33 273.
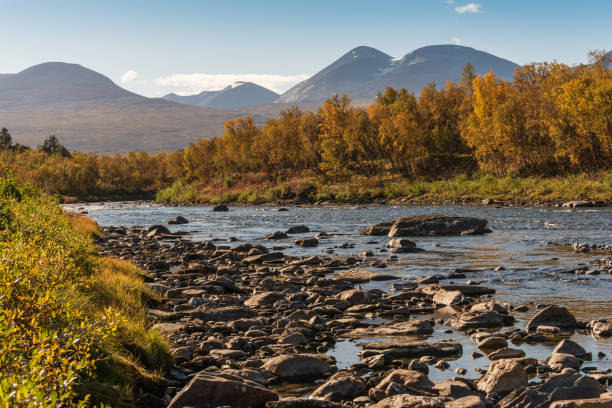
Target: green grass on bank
pixel 73 329
pixel 458 189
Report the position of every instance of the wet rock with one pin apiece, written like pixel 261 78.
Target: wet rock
pixel 157 230
pixel 379 229
pixel 270 256
pixel 363 275
pixel 437 225
pixel 355 297
pixel 178 220
pixel 474 320
pixel 556 316
pixel 307 242
pixel 601 328
pixel 392 350
pixel 298 366
pixel 578 203
pixel 276 235
pixel 402 245
pixel 506 353
pixel 341 386
pixel 502 377
pixel 569 347
pixel 207 390
pixel 298 229
pixel 493 343
pixel 493 305
pixel 220 207
pixel 409 328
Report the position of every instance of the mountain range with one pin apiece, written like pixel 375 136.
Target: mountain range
pixel 234 96
pixel 89 112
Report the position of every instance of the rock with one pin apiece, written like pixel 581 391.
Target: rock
pixel 488 201
pixel 602 402
pixel 448 298
pixel 179 220
pixel 220 207
pixel 474 320
pixel 294 338
pixel 494 305
pixel 262 299
pixel 471 401
pixel 276 235
pixel 379 229
pixel 298 229
pixel 569 347
pixel 578 203
pixel 355 296
pixel 393 350
pixel 158 288
pixel 307 242
pixel 559 361
pixel 502 377
pixel 411 401
pixel 362 276
pixel 270 256
pixel 436 225
pixel 557 316
pixel 302 403
pixel 402 245
pixel 298 366
pixel 466 290
pixel 157 230
pixel 493 343
pixel 408 328
pixel 207 390
pixel 341 386
pixel 601 328
pixel 413 381
pixel 506 353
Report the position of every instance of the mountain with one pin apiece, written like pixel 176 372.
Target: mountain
pixel 234 96
pixel 364 71
pixel 89 112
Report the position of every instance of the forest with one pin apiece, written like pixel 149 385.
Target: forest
pixel 552 121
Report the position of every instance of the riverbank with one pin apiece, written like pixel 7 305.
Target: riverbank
pixel 73 325
pixel 530 191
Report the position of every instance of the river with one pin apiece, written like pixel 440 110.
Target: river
pixel 531 270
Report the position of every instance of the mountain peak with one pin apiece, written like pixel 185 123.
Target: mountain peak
pixel 236 95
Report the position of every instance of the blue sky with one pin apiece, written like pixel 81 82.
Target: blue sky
pixel 154 47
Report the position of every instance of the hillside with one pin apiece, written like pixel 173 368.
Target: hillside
pixel 89 112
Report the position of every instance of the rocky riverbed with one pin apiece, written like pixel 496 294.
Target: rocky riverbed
pixel 269 322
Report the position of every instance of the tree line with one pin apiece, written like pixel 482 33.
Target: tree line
pixel 552 119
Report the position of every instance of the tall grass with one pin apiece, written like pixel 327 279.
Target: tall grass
pixel 73 328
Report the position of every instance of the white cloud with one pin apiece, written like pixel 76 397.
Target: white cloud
pixel 469 8
pixel 459 41
pixel 187 84
pixel 130 76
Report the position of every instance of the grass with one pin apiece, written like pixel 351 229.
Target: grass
pixel 73 326
pixel 360 189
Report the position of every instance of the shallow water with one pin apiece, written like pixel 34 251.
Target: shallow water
pixel 519 243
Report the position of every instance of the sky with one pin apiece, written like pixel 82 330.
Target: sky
pixel 155 47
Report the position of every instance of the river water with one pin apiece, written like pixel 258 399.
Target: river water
pixel 520 243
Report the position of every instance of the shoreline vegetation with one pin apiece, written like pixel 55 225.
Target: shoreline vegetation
pixel 546 136
pixel 73 324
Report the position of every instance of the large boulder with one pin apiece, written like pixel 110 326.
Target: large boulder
pixel 206 390
pixel 298 229
pixel 502 377
pixel 601 328
pixel 298 366
pixel 411 401
pixel 341 386
pixel 570 347
pixel 448 298
pixel 379 229
pixel 355 296
pixel 402 245
pixel 555 316
pixel 437 225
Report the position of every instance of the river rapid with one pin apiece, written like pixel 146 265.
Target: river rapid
pixel 518 259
